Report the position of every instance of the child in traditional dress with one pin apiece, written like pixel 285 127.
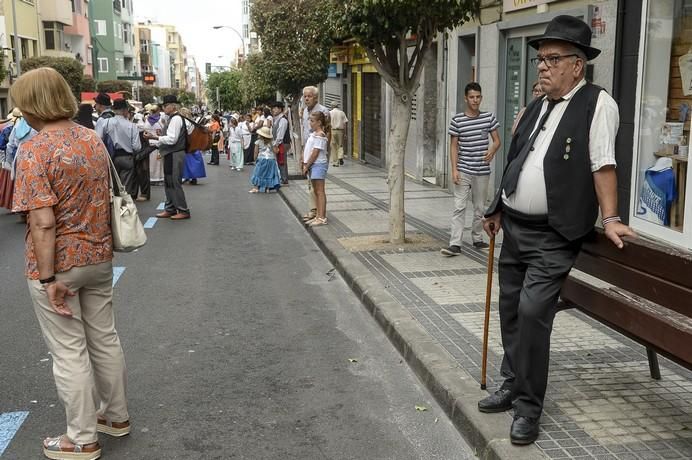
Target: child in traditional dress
pixel 266 175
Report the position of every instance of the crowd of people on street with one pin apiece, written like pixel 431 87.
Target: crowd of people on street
pixel 56 166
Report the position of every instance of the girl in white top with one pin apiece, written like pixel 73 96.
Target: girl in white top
pixel 315 164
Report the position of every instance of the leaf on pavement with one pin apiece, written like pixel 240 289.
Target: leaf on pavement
pixel 421 408
pixel 352 360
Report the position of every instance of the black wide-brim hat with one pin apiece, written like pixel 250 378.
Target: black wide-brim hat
pixel 120 104
pixel 568 29
pixel 103 99
pixel 170 99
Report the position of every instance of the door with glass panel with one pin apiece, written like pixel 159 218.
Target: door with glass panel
pixel 520 75
pixel 661 178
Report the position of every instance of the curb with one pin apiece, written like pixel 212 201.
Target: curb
pixel 452 386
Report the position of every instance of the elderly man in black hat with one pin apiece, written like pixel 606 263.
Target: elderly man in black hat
pixel 102 105
pixel 560 171
pixel 125 138
pixel 282 139
pixel 172 149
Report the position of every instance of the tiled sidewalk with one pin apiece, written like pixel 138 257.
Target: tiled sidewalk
pixel 601 402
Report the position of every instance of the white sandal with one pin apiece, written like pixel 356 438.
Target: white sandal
pixel 52 449
pixel 317 221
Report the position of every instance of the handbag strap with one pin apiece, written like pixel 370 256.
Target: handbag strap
pixel 113 173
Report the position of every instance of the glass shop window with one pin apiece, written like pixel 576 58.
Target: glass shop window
pixel 662 206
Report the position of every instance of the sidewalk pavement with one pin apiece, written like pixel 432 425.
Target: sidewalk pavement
pixel 601 401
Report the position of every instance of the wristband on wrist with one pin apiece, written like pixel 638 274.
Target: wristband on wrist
pixel 609 220
pixel 48 280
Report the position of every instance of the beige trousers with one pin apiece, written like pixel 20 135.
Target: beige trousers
pixel 336 149
pixel 88 361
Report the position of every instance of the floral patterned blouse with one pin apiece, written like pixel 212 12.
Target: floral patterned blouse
pixel 67 169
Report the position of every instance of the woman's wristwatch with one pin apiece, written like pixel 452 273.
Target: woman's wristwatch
pixel 50 279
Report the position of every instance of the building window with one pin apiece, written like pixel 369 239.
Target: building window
pixel 246 31
pixel 246 7
pixel 54 35
pixel 660 174
pixel 90 51
pixel 126 33
pixel 103 65
pixel 100 27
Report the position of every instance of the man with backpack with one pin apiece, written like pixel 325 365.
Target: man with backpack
pixel 172 148
pixel 121 138
pixel 282 139
pixel 102 105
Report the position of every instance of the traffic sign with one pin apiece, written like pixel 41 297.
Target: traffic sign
pixel 130 77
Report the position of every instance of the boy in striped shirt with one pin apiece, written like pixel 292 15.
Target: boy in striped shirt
pixel 471 154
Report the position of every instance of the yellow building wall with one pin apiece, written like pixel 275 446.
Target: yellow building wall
pixel 27 20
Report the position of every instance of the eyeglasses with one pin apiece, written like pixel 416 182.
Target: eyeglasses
pixel 550 61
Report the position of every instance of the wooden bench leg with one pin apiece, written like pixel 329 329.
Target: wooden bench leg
pixel 653 364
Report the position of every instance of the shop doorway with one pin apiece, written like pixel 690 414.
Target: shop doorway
pixel 372 118
pixel 467 68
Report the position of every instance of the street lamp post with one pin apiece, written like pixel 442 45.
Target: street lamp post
pixel 16 38
pixel 242 40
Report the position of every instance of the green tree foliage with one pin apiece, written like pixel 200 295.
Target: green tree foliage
pixel 71 69
pixel 295 41
pixel 147 94
pixel 187 98
pixel 154 94
pixel 88 83
pixel 228 84
pixel 114 86
pixel 397 35
pixel 255 85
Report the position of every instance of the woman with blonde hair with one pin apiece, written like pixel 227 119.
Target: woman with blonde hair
pixel 62 181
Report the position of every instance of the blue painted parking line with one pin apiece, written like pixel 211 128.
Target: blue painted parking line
pixel 9 425
pixel 161 206
pixel 117 273
pixel 150 222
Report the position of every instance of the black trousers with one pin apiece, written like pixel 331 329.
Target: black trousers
pixel 142 177
pixel 249 152
pixel 214 155
pixel 534 263
pixel 125 166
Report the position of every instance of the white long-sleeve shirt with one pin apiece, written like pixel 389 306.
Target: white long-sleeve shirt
pixel 173 130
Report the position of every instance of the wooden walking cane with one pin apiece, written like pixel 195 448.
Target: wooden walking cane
pixel 488 291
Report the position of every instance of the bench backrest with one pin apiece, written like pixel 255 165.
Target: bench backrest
pixel 648 269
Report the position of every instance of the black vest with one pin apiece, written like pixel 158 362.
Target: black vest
pixel 572 201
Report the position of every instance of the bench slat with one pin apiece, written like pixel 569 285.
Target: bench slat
pixel 665 331
pixel 665 262
pixel 657 290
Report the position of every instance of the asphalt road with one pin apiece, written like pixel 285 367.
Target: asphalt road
pixel 238 339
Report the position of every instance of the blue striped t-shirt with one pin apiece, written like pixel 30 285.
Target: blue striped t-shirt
pixel 472 135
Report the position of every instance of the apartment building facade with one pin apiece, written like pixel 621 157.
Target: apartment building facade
pixel 112 39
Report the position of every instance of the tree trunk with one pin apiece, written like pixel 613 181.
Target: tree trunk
pixel 396 148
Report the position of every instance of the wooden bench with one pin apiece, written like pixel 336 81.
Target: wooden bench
pixel 643 291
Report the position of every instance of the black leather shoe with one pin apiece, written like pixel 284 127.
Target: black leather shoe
pixel 499 401
pixel 524 430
